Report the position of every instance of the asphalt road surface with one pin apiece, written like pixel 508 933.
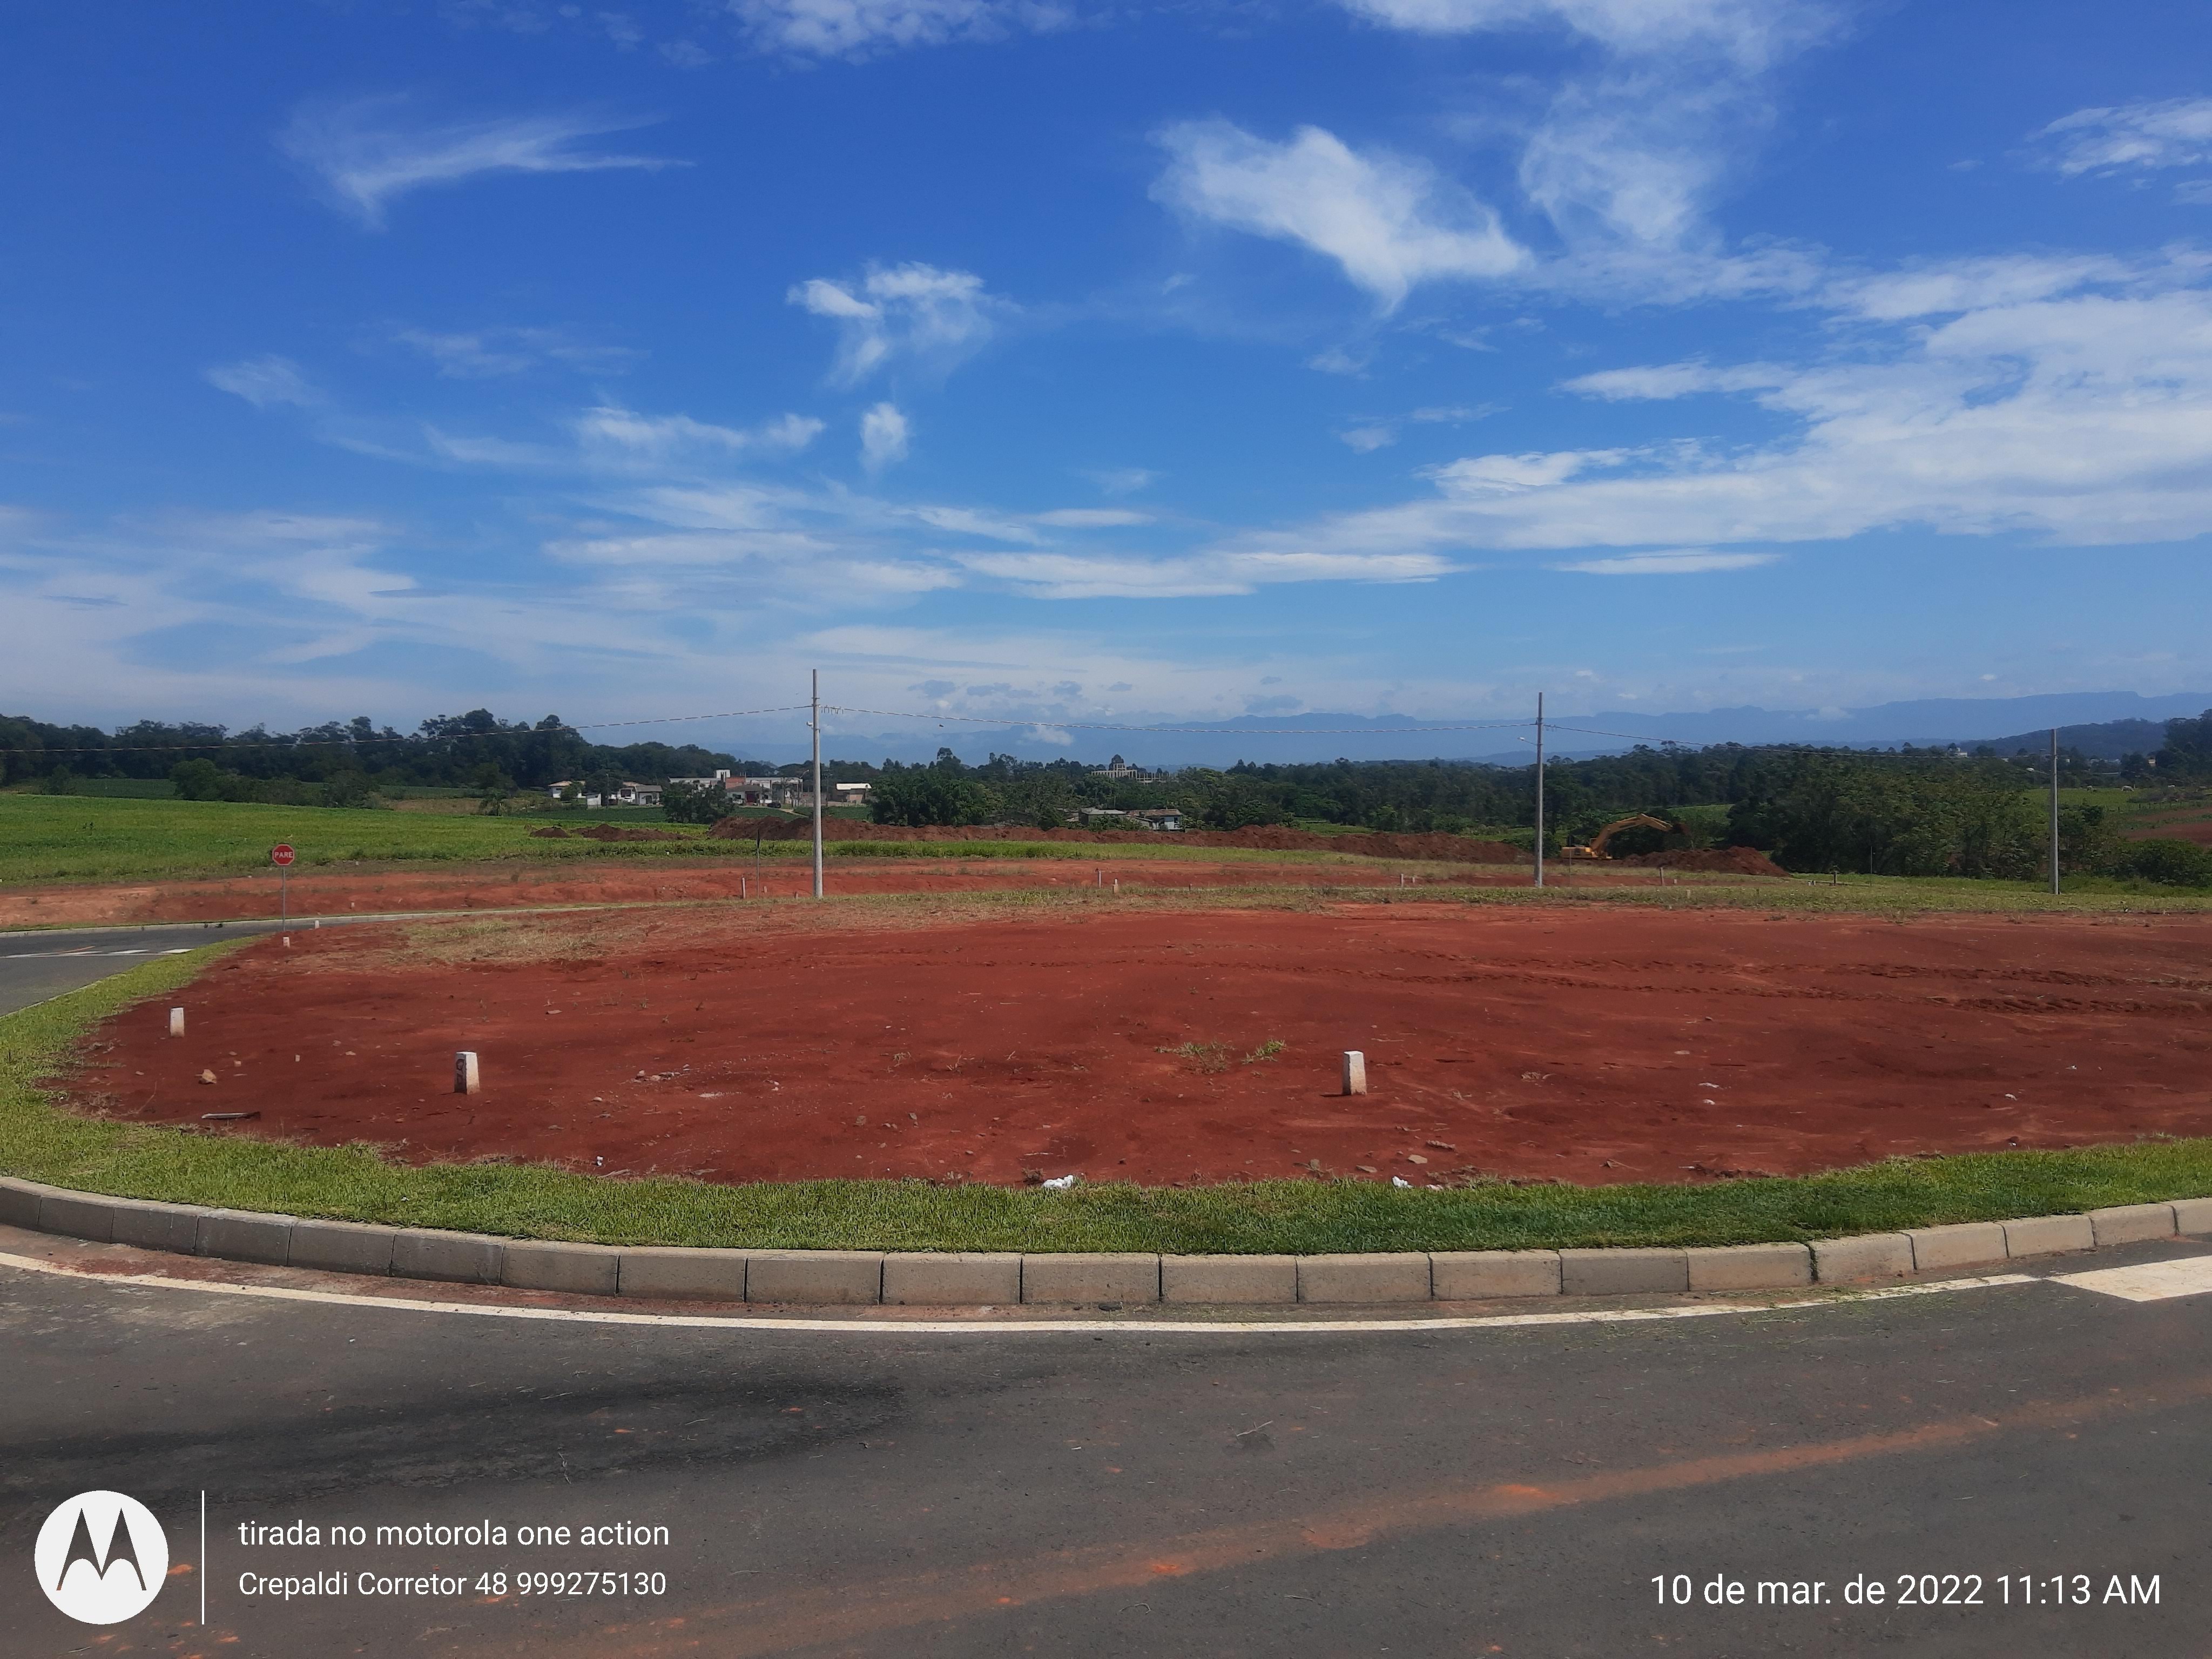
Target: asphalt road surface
pixel 35 966
pixel 1532 1489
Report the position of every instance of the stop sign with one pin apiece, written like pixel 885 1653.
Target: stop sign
pixel 280 855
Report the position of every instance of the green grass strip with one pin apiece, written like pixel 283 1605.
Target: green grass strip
pixel 40 1141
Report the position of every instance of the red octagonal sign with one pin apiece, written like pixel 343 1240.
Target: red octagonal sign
pixel 280 855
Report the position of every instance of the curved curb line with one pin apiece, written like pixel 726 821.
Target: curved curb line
pixel 816 1277
pixel 864 1326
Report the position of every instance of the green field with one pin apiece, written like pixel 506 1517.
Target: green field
pixel 69 838
pixel 42 1143
pixel 81 838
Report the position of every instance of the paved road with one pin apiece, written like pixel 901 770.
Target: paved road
pixel 35 966
pixel 1499 1491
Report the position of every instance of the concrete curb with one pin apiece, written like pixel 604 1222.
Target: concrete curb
pixel 931 1279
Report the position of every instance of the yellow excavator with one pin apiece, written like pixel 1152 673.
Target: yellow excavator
pixel 1595 848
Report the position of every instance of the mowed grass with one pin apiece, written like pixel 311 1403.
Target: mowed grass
pixel 40 1141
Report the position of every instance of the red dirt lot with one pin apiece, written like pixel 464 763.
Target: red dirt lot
pixel 344 892
pixel 1577 1042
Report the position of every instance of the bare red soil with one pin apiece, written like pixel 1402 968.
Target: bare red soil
pixel 1589 1045
pixel 2198 830
pixel 490 886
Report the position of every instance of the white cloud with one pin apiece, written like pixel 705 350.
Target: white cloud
pixel 935 317
pixel 1664 381
pixel 1487 476
pixel 884 436
pixel 621 432
pixel 1121 480
pixel 1624 162
pixel 486 354
pixel 1091 517
pixel 1749 32
pixel 490 452
pixel 368 153
pixel 1217 573
pixel 2175 133
pixel 851 28
pixel 1369 438
pixel 1389 221
pixel 266 382
pixel 1089 576
pixel 1960 285
pixel 1683 562
pixel 967 521
pixel 716 505
pixel 2081 420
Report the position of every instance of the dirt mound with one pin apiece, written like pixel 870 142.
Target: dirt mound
pixel 1728 860
pixel 1455 849
pixel 556 833
pixel 624 832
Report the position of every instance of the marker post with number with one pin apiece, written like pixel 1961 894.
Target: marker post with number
pixel 282 856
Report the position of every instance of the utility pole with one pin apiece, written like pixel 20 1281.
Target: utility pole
pixel 2054 809
pixel 1540 789
pixel 817 783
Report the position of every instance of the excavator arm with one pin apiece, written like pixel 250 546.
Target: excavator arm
pixel 1596 848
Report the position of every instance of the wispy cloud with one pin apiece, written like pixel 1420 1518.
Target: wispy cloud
pixel 1752 33
pixel 969 521
pixel 1388 221
pixel 860 28
pixel 884 436
pixel 368 153
pixel 610 432
pixel 490 353
pixel 2175 132
pixel 1091 518
pixel 2084 419
pixel 1624 163
pixel 1371 435
pixel 1216 572
pixel 1122 480
pixel 266 382
pixel 1686 561
pixel 935 317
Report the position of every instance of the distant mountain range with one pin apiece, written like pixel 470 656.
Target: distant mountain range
pixel 2107 724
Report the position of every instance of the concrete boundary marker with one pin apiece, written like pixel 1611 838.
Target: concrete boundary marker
pixel 949 1278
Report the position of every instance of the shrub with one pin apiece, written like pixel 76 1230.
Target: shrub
pixel 2176 863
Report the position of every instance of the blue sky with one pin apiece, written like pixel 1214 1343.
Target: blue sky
pixel 1037 361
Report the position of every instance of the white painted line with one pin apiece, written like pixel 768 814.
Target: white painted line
pixel 897 1327
pixel 2154 1281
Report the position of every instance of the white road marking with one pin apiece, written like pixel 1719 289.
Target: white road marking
pixel 135 951
pixel 2154 1281
pixel 896 1328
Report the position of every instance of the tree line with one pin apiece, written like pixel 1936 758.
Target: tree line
pixel 341 763
pixel 1909 811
